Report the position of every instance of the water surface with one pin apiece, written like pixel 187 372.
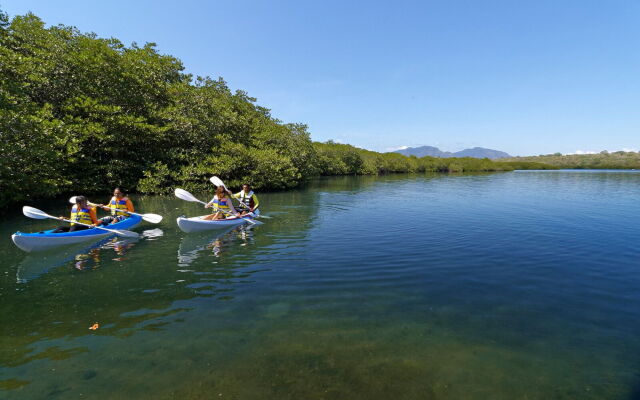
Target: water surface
pixel 518 285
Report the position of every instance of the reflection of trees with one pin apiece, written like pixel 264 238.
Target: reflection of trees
pixel 345 183
pixel 362 182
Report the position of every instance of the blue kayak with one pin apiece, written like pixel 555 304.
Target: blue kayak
pixel 39 241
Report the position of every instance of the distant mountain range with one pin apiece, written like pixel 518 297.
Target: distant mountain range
pixel 476 152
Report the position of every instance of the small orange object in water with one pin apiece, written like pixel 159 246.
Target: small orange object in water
pixel 94 326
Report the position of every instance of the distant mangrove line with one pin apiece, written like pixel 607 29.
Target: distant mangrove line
pixel 82 114
pixel 602 160
pixel 343 159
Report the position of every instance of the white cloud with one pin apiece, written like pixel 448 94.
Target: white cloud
pixel 630 150
pixel 388 149
pixel 339 140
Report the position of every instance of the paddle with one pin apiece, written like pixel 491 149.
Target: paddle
pixel 184 195
pixel 37 214
pixel 218 182
pixel 153 218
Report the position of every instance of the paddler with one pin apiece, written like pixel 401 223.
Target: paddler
pixel 80 212
pixel 222 205
pixel 248 200
pixel 117 205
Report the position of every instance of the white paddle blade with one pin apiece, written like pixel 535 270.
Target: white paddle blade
pixel 184 195
pixel 217 181
pixel 153 218
pixel 34 213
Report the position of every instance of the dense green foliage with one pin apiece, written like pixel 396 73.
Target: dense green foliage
pixel 603 160
pixel 82 114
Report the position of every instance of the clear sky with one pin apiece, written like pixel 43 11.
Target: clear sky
pixel 525 77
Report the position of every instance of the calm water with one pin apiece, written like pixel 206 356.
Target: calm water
pixel 519 285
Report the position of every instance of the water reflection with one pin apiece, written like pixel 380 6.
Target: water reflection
pixel 82 257
pixel 92 259
pixel 193 246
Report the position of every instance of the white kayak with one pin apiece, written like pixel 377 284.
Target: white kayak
pixel 197 224
pixel 45 240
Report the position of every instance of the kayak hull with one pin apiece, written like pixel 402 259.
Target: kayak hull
pixel 40 241
pixel 197 224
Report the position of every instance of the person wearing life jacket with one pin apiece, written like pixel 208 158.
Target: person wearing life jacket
pixel 81 213
pixel 222 204
pixel 248 200
pixel 117 205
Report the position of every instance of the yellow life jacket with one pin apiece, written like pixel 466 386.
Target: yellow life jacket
pixel 116 205
pixel 82 216
pixel 221 204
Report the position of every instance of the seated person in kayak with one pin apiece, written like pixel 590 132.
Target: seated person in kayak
pixel 248 200
pixel 82 213
pixel 117 205
pixel 222 204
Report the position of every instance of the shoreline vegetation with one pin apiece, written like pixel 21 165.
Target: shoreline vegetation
pixel 602 160
pixel 83 114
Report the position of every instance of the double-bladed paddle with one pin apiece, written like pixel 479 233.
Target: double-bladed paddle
pixel 37 214
pixel 153 218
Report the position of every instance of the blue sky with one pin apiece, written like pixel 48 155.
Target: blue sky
pixel 526 77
